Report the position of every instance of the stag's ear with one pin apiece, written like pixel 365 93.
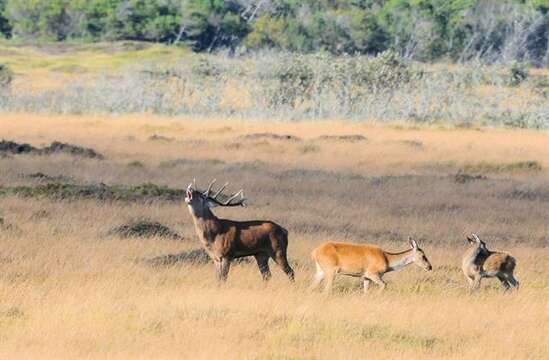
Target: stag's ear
pixel 471 240
pixel 413 243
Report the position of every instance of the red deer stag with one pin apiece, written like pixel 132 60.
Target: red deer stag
pixel 368 262
pixel 479 262
pixel 225 240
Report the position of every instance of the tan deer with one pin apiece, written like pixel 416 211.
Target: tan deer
pixel 368 262
pixel 479 262
pixel 225 240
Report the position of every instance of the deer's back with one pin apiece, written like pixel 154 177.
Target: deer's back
pixel 350 258
pixel 499 262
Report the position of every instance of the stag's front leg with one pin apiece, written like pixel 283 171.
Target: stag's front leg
pixel 222 267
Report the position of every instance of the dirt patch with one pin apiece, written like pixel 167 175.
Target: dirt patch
pixel 56 147
pixel 144 229
pixel 345 138
pixel 272 136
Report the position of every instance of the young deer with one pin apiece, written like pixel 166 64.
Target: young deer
pixel 479 262
pixel 368 262
pixel 225 240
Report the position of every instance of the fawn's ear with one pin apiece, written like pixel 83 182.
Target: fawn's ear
pixel 413 243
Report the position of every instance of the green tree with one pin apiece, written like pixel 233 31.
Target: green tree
pixel 5 26
pixel 213 23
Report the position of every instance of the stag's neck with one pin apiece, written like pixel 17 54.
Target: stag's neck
pixel 396 261
pixel 206 225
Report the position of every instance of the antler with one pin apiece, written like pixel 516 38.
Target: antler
pixel 207 192
pixel 227 202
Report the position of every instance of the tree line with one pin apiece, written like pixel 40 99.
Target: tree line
pixel 458 30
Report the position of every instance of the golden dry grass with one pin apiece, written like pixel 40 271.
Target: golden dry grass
pixel 67 290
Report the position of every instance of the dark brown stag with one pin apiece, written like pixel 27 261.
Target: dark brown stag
pixel 225 240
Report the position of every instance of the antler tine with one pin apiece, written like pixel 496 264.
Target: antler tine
pixel 239 193
pixel 207 192
pixel 220 190
pixel 476 237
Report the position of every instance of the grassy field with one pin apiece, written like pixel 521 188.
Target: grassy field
pixel 42 67
pixel 70 289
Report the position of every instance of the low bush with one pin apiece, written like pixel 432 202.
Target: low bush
pixel 144 229
pixel 63 191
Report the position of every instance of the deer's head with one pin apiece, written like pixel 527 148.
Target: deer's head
pixel 419 257
pixel 200 202
pixel 475 240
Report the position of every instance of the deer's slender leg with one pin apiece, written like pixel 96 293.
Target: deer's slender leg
pixel 511 280
pixel 378 280
pixel 476 282
pixel 366 283
pixel 329 280
pixel 470 280
pixel 319 276
pixel 282 261
pixel 504 281
pixel 263 264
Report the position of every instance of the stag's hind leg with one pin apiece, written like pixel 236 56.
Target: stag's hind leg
pixel 282 261
pixel 263 264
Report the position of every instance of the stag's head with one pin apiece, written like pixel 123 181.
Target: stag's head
pixel 419 256
pixel 475 240
pixel 200 201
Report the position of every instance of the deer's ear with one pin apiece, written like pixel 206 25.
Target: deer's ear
pixel 413 243
pixel 471 240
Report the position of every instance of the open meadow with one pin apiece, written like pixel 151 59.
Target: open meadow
pixel 73 285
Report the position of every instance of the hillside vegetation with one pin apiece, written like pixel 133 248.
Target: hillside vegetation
pixel 459 30
pixel 136 77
